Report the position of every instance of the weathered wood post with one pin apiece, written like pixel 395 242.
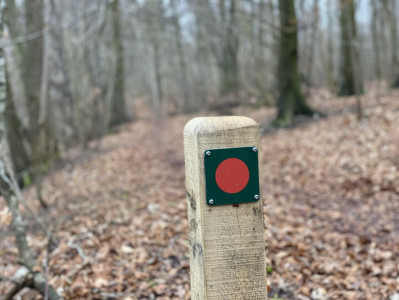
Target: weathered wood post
pixel 225 211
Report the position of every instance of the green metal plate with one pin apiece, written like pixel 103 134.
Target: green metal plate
pixel 231 176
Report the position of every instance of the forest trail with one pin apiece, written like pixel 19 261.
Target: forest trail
pixel 331 194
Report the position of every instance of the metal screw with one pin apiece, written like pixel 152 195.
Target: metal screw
pixel 256 197
pixel 208 153
pixel 210 201
pixel 254 149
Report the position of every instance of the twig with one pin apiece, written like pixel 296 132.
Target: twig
pixel 26 258
pixel 20 196
pixel 112 295
pixel 46 268
pixel 77 248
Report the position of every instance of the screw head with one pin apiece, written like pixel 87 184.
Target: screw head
pixel 208 153
pixel 254 149
pixel 256 197
pixel 210 201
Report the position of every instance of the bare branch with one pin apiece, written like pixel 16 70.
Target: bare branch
pixel 77 248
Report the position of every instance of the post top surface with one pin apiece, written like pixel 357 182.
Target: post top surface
pixel 203 125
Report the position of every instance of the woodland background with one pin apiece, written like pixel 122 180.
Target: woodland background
pixel 94 96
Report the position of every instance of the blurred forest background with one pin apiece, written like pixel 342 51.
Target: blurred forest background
pixel 78 68
pixel 71 71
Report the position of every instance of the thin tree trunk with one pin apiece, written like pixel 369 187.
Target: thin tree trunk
pixel 229 56
pixel 390 8
pixel 33 65
pixel 59 78
pixel 275 36
pixel 330 47
pixel 18 51
pixel 205 46
pixel 187 99
pixel 155 31
pixel 349 52
pixel 252 27
pixel 19 156
pixel 118 114
pixel 355 60
pixel 43 122
pixel 158 77
pixel 261 31
pixel 291 101
pixel 313 39
pixel 35 82
pixel 376 44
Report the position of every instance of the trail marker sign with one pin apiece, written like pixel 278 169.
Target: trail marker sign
pixel 231 175
pixel 225 209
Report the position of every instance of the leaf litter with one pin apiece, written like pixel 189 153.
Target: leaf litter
pixel 331 194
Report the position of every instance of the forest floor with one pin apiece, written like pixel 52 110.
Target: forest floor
pixel 331 194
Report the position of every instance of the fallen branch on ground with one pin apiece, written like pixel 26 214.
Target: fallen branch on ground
pixel 77 248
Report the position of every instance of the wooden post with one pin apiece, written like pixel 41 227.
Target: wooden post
pixel 227 246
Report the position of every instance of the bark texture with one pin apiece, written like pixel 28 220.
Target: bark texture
pixel 228 62
pixel 349 53
pixel 390 9
pixel 118 114
pixel 291 101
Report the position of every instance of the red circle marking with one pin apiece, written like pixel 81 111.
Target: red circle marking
pixel 232 175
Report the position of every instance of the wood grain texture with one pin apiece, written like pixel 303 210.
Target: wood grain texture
pixel 227 247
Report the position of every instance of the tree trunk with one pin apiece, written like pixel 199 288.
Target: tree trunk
pixel 155 29
pixel 118 114
pixel 349 53
pixel 188 106
pixel 158 77
pixel 15 132
pixel 330 48
pixel 376 44
pixel 228 64
pixel 59 80
pixel 312 44
pixel 291 101
pixel 35 82
pixel 273 25
pixel 258 68
pixel 389 9
pixel 33 63
pixel 19 156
